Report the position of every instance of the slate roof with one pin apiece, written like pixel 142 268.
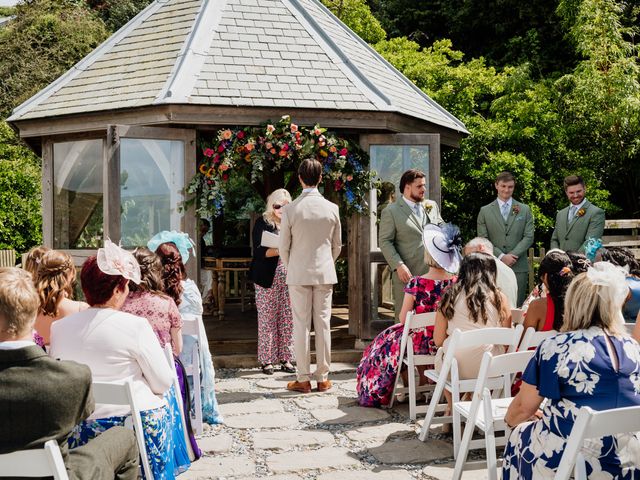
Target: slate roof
pixel 264 53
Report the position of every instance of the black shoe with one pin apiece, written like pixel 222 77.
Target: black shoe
pixel 267 369
pixel 287 367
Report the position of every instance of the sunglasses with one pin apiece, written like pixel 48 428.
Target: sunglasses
pixel 277 206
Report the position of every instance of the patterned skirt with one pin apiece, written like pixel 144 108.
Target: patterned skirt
pixel 163 437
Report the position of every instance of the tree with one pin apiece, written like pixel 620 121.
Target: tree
pixel 116 13
pixel 358 17
pixel 20 193
pixel 45 39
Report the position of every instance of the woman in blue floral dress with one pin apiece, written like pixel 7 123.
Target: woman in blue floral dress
pixel 593 363
pixel 378 368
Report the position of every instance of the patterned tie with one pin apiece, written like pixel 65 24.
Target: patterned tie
pixel 505 211
pixel 572 212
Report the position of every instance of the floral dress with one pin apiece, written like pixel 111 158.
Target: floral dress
pixel 573 370
pixel 378 368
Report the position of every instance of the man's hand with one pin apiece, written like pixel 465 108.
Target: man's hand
pixel 509 259
pixel 403 273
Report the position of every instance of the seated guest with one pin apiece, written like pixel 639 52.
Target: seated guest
pixel 117 346
pixel 54 281
pixel 506 278
pixel 173 250
pixel 378 368
pixel 43 399
pixel 538 290
pixel 623 257
pixel 149 301
pixel 472 303
pixel 545 314
pixel 30 262
pixel 593 363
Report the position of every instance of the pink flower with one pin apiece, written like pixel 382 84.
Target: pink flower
pixel 227 134
pixel 337 185
pixel 216 159
pixel 317 132
pixel 344 152
pixel 208 152
pixel 285 147
pixel 349 178
pixel 270 128
pixel 240 135
pixel 225 177
pixel 221 149
pixel 249 146
pixel 224 167
pixel 294 128
pixel 268 145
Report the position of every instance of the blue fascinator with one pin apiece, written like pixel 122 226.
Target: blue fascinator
pixel 591 247
pixel 180 239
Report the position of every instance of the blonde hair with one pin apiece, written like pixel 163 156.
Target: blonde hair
pixel 588 304
pixel 54 280
pixel 32 259
pixel 18 301
pixel 277 196
pixel 429 260
pixel 150 272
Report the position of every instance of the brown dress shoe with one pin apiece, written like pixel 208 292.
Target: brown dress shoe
pixel 303 387
pixel 324 386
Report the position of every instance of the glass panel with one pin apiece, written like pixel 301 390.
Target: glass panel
pixel 389 161
pixel 151 184
pixel 77 199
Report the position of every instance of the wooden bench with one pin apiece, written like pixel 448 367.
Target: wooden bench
pixel 7 258
pixel 622 233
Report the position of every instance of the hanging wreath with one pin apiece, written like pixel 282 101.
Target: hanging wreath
pixel 279 146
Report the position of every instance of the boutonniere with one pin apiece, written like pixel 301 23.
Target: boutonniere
pixel 515 209
pixel 581 212
pixel 427 208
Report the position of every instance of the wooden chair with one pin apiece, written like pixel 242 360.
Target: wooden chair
pixel 448 378
pixel 413 322
pixel 486 413
pixel 592 424
pixel 7 258
pixel 40 462
pixel 122 394
pixel 533 338
pixel 191 326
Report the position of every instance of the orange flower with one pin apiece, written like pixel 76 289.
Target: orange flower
pixel 273 150
pixel 333 149
pixel 283 153
pixel 247 158
pixel 203 169
pixel 323 153
pixel 224 167
pixel 227 134
pixel 249 146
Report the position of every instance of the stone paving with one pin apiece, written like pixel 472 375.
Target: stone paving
pixel 272 433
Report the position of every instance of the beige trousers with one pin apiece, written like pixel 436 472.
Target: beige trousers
pixel 311 303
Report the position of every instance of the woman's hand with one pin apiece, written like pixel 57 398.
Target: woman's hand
pixel 272 252
pixel 524 406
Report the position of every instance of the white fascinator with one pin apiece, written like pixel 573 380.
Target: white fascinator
pixel 114 260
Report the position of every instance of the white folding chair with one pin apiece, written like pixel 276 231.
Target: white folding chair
pixel 191 326
pixel 629 327
pixel 533 338
pixel 517 316
pixel 39 462
pixel 486 413
pixel 449 378
pixel 413 322
pixel 122 394
pixel 592 424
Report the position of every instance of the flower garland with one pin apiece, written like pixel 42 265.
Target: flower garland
pixel 273 147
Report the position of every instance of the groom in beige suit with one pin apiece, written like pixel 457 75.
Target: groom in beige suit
pixel 310 242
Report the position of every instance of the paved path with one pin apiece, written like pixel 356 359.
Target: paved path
pixel 272 433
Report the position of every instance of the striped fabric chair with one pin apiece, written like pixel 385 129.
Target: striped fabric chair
pixel 7 258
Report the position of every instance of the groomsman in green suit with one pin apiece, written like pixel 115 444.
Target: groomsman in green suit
pixel 400 232
pixel 508 224
pixel 579 221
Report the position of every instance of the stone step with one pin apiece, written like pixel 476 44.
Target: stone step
pixel 246 360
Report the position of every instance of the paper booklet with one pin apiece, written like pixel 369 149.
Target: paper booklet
pixel 269 240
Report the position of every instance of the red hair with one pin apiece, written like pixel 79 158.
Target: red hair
pixel 98 286
pixel 173 270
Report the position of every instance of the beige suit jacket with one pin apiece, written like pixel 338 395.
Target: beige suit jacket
pixel 310 240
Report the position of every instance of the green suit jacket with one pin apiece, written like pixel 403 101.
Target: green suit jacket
pixel 515 235
pixel 400 234
pixel 571 236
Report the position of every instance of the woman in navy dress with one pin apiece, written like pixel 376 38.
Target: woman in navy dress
pixel 592 362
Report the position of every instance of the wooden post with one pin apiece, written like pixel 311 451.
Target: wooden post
pixel 359 274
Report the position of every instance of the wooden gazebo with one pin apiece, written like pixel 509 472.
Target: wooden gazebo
pixel 117 132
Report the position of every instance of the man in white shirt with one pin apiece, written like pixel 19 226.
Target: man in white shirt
pixel 44 399
pixel 506 278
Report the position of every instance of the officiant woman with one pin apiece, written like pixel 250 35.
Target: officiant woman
pixel 275 323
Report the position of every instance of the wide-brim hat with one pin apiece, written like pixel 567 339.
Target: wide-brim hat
pixel 444 245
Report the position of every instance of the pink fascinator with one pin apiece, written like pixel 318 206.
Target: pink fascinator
pixel 114 260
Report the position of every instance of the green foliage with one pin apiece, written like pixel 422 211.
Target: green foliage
pixel 357 15
pixel 46 38
pixel 115 13
pixel 7 11
pixel 20 214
